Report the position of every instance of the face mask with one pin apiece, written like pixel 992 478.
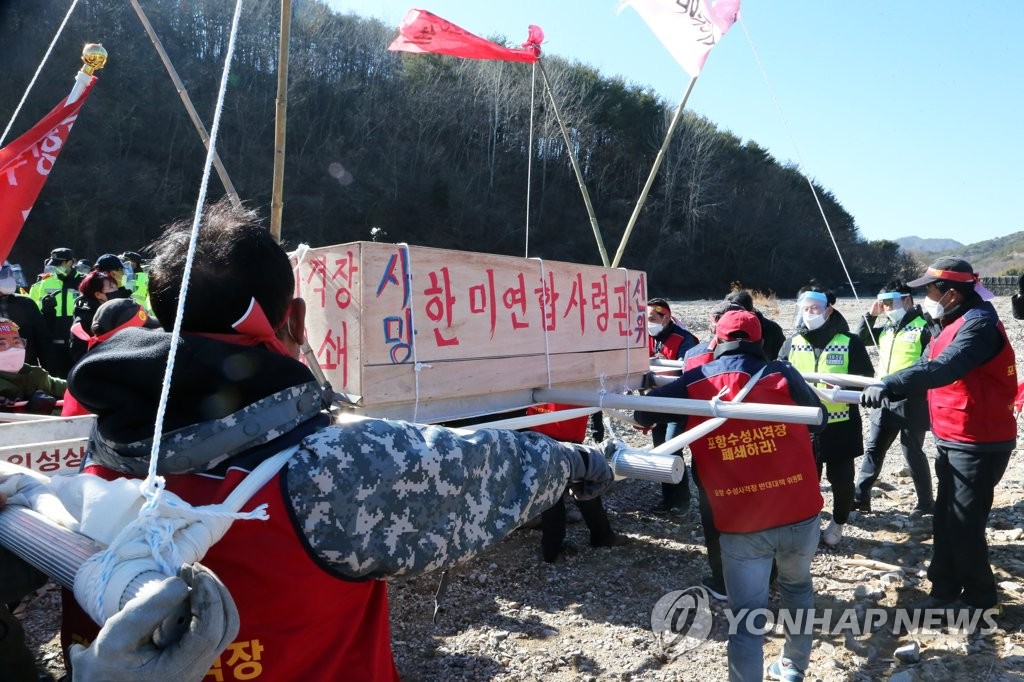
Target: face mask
pixel 935 309
pixel 654 328
pixel 120 292
pixel 813 322
pixel 895 315
pixel 8 285
pixel 12 360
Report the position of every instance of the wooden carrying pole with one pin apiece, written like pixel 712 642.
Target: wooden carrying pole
pixel 222 172
pixel 575 166
pixel 654 171
pixel 280 120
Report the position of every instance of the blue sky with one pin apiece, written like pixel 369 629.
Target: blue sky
pixel 908 112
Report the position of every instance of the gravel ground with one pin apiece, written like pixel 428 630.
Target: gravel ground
pixel 508 615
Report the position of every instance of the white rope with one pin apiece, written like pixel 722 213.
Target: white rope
pixel 529 158
pixel 543 323
pixel 169 533
pixel 35 76
pixel 417 366
pixel 162 515
pixel 792 140
pixel 629 309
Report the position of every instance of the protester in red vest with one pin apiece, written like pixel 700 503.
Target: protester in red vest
pixel 669 340
pixel 358 502
pixel 553 519
pixel 762 485
pixel 971 380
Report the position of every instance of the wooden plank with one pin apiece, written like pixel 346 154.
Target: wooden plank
pixel 50 430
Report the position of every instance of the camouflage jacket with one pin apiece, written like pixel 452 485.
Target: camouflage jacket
pixel 373 498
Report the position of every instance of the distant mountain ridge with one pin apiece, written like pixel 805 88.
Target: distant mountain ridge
pixel 926 245
pixel 990 257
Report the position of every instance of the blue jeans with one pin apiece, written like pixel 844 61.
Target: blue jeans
pixel 747 564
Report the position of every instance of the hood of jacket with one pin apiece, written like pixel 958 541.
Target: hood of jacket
pixel 214 386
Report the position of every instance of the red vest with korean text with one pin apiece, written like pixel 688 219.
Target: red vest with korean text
pixel 978 407
pixel 298 622
pixel 758 475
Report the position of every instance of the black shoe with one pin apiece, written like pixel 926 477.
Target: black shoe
pixel 660 509
pixel 923 508
pixel 862 505
pixel 611 540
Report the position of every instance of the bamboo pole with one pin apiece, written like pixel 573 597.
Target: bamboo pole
pixel 280 119
pixel 794 414
pixel 575 167
pixel 222 172
pixel 654 171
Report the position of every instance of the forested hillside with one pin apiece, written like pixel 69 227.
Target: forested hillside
pixel 431 149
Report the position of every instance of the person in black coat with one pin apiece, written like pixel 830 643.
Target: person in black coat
pixel 25 313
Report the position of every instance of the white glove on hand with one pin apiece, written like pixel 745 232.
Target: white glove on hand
pixel 124 650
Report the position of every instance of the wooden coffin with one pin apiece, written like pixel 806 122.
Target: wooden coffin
pixel 430 335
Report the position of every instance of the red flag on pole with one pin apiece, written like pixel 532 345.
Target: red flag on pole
pixel 423 32
pixel 27 161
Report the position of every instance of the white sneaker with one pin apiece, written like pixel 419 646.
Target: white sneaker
pixel 832 534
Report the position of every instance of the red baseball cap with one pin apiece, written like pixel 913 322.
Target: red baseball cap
pixel 738 325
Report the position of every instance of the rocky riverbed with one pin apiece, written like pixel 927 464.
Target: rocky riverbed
pixel 508 615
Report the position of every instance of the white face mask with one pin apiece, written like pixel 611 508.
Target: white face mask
pixel 895 315
pixel 654 328
pixel 935 309
pixel 12 359
pixel 8 285
pixel 813 322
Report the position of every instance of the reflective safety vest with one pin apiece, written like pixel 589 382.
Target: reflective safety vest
pixel 140 289
pixel 52 284
pixel 899 349
pixel 757 475
pixel 977 407
pixel 835 358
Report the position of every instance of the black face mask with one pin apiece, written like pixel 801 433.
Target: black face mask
pixel 120 292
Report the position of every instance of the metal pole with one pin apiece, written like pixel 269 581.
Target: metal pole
pixel 222 172
pixel 280 119
pixel 575 167
pixel 654 171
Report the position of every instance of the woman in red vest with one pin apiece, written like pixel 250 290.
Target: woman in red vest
pixel 971 380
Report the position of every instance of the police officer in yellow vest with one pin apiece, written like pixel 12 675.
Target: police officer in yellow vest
pixel 823 343
pixel 901 332
pixel 55 293
pixel 136 279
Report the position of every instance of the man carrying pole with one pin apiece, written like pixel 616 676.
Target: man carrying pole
pixel 762 486
pixel 356 503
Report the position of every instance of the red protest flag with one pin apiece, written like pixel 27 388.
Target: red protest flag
pixel 27 161
pixel 423 32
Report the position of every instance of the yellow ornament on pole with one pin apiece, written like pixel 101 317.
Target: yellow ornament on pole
pixel 94 58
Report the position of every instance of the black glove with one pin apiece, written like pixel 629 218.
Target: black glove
pixel 41 403
pixel 591 474
pixel 874 395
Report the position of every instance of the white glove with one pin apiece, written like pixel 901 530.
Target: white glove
pixel 124 650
